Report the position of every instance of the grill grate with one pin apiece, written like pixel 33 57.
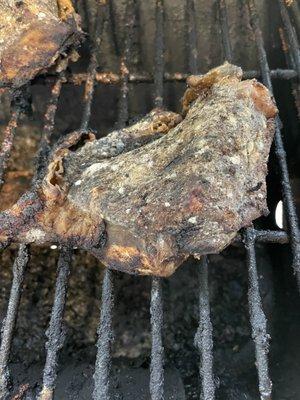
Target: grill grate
pixel 55 332
pixel 203 337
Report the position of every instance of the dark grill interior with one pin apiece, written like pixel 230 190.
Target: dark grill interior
pixel 94 86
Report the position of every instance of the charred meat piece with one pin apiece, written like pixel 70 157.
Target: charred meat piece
pixel 33 34
pixel 146 197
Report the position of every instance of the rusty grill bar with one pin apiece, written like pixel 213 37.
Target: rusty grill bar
pixel 157 350
pixel 55 332
pixel 8 141
pixel 19 267
pixel 105 339
pixel 156 306
pixel 203 337
pixel 292 36
pixel 258 320
pixel 124 71
pixel 112 78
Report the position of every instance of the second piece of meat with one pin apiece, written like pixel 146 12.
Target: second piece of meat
pixel 33 35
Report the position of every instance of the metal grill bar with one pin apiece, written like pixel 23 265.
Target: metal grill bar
pixel 159 54
pixel 7 143
pixel 203 338
pixel 192 37
pixel 105 338
pixel 279 148
pixel 225 30
pixel 112 78
pixel 55 332
pixel 19 105
pixel 157 350
pixel 100 24
pixel 49 122
pixel 258 320
pixel 279 237
pixel 124 71
pixel 89 92
pixel 291 34
pixel 290 46
pixel 9 322
pixel 156 302
pixel 285 47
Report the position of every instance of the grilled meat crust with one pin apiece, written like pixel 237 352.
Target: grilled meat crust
pixel 146 197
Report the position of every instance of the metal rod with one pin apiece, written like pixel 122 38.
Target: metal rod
pixel 49 122
pixel 89 92
pixel 159 54
pixel 157 349
pixel 100 24
pixel 55 332
pixel 203 339
pixel 192 37
pixel 124 68
pixel 111 78
pixel 258 320
pixel 279 148
pixel 9 321
pixel 291 34
pixel 279 237
pixel 104 342
pixel 49 119
pixel 225 31
pixel 289 58
pixel 156 305
pixel 7 143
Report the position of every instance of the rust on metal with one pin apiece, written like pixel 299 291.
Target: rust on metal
pixel 46 394
pixel 285 46
pixel 7 143
pixel 21 392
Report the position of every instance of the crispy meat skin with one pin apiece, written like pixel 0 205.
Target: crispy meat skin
pixel 33 34
pixel 144 198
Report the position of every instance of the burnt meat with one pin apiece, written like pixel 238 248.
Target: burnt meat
pixel 33 34
pixel 146 197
